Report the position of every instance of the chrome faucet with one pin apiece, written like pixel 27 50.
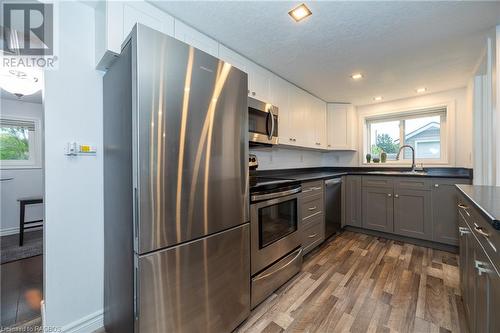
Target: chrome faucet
pixel 413 166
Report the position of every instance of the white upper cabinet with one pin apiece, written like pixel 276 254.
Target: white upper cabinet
pixel 302 123
pixel 259 82
pixel 195 38
pixel 341 126
pixel 148 15
pixel 299 126
pixel 114 21
pixel 319 115
pixel 279 96
pixel 233 58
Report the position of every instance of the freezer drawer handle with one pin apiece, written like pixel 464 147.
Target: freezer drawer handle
pixel 312 236
pixel 312 208
pixel 299 253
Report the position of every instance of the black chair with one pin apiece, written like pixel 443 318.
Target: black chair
pixel 23 202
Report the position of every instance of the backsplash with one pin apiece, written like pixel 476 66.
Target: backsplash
pixel 288 158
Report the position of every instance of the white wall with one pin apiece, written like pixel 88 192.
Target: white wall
pixel 460 132
pixel 26 182
pixel 485 91
pixel 286 158
pixel 290 158
pixel 73 185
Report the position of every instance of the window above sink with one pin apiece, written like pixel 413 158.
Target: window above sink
pixel 423 129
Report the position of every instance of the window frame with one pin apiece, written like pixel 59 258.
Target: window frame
pixel 445 110
pixel 34 143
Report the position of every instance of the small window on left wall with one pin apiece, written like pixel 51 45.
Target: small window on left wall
pixel 19 143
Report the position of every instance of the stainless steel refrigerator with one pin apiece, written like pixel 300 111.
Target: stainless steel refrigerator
pixel 177 252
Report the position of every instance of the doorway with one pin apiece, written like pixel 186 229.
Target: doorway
pixel 22 200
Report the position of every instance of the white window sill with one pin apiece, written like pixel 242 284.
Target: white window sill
pixel 406 164
pixel 19 167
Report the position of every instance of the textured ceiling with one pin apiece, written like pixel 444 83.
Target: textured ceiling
pixel 398 46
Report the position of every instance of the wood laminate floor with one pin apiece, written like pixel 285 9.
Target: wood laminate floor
pixel 361 283
pixel 20 291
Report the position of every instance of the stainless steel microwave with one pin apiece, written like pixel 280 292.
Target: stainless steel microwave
pixel 262 122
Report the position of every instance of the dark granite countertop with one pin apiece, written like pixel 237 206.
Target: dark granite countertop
pixel 307 174
pixel 486 199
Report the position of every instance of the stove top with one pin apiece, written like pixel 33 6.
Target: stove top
pixel 258 184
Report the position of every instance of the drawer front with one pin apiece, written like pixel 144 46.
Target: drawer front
pixel 412 183
pixel 482 229
pixel 312 188
pixel 376 181
pixel 312 206
pixel 313 234
pixel 273 277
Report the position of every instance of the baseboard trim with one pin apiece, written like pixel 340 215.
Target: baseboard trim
pixel 90 323
pixel 15 230
pixel 414 241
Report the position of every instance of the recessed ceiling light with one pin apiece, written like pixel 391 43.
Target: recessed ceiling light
pixel 300 12
pixel 421 90
pixel 356 76
pixel 378 98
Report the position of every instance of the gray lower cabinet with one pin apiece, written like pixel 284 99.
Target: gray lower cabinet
pixel 313 233
pixel 444 210
pixel 479 278
pixel 412 213
pixel 352 204
pixel 312 224
pixel 377 205
pixel 417 207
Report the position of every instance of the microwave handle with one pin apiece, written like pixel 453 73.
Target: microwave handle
pixel 272 123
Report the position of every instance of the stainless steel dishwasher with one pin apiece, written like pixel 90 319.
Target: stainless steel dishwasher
pixel 333 199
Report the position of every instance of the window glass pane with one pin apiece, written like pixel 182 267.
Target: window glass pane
pixel 14 143
pixel 424 134
pixel 384 138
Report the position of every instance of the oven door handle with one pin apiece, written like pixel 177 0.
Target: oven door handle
pixel 257 197
pixel 299 253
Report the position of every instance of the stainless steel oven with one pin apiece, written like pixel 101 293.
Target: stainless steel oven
pixel 262 122
pixel 276 253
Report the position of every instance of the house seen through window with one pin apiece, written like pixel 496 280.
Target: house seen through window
pixel 424 131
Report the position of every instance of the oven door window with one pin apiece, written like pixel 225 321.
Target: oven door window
pixel 260 122
pixel 277 221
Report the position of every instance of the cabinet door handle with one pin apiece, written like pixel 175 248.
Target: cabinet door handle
pixel 317 143
pixel 463 231
pixel 396 195
pixel 389 195
pixel 436 185
pixel 312 208
pixel 480 230
pixel 312 236
pixel 253 93
pixel 316 188
pixel 465 208
pixel 482 267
